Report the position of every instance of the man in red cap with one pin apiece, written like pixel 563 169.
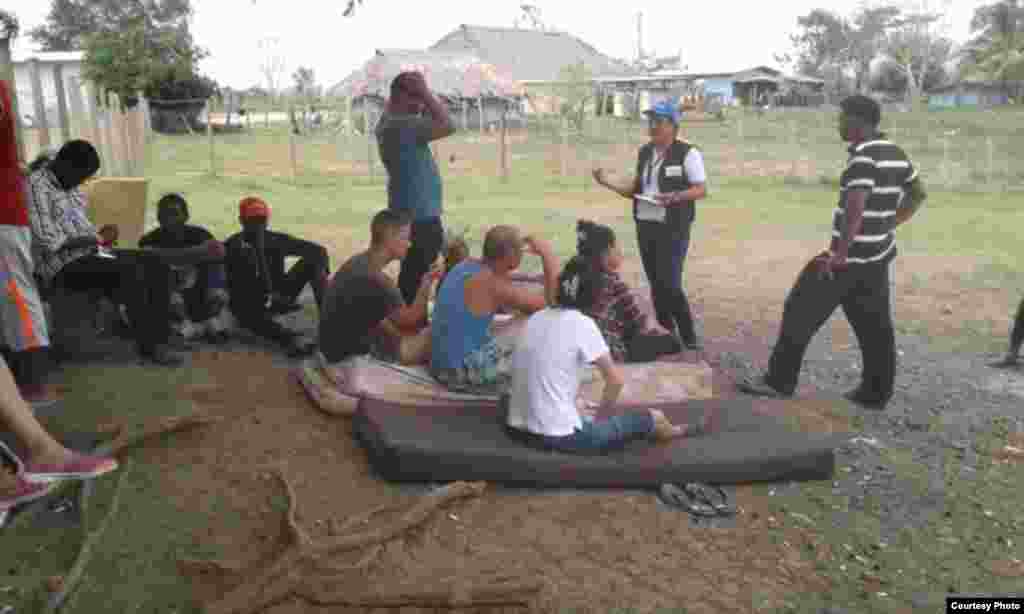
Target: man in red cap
pixel 259 288
pixel 22 318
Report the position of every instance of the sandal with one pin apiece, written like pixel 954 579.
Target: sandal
pixel 712 496
pixel 679 498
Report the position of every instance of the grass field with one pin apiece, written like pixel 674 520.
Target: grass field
pixel 957 282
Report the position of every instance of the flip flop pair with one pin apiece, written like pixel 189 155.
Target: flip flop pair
pixel 698 499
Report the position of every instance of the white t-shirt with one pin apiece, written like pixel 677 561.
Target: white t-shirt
pixel 551 357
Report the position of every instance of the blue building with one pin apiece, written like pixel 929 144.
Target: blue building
pixel 968 94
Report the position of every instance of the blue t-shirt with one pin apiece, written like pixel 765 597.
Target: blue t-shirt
pixel 414 183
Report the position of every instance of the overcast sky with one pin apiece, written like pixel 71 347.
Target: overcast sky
pixel 730 34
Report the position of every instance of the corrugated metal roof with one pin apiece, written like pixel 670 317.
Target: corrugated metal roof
pixel 529 55
pixel 49 56
pixel 451 74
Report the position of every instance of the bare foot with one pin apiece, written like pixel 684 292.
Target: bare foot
pixel 52 458
pixel 665 430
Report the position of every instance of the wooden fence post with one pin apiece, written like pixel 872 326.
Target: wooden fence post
pixel 39 102
pixel 369 141
pixel 209 136
pixel 947 170
pixel 78 117
pixel 564 148
pixel 62 102
pixel 480 101
pixel 990 150
pixel 292 156
pixel 504 145
pixel 92 110
pixel 7 74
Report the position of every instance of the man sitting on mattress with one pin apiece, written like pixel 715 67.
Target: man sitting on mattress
pixel 346 312
pixel 557 346
pixel 465 357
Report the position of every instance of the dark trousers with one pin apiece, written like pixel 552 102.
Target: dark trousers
pixel 663 252
pixel 863 292
pixel 427 240
pixel 645 347
pixel 29 367
pixel 136 279
pixel 310 271
pixel 252 312
pixel 1017 335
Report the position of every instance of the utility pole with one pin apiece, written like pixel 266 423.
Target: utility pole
pixel 639 36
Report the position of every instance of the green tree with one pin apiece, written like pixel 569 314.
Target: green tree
pixel 133 59
pixel 996 52
pixel 70 23
pixel 576 90
pixel 915 45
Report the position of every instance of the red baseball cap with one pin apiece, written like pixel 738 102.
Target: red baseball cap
pixel 251 206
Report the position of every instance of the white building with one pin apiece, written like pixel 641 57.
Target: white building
pixel 70 64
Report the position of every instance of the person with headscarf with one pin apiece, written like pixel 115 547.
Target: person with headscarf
pixel 199 288
pixel 259 288
pixel 554 351
pixel 73 255
pixel 616 310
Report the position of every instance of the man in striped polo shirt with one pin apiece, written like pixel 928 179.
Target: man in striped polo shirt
pixel 879 191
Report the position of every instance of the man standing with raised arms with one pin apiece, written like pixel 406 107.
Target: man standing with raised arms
pixel 404 135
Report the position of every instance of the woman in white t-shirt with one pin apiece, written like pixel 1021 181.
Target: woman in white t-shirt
pixel 551 356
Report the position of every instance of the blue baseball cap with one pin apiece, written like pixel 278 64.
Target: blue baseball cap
pixel 667 109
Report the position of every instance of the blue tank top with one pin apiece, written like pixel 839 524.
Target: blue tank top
pixel 455 332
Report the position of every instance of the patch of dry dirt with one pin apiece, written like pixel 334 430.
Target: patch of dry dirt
pixel 595 551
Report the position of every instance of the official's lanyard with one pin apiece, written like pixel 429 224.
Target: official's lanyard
pixel 653 167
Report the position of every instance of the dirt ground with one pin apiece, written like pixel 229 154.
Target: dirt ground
pixel 595 551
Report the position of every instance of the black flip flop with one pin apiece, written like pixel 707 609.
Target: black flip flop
pixel 712 496
pixel 679 498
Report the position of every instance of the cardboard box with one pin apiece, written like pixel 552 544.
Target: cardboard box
pixel 121 201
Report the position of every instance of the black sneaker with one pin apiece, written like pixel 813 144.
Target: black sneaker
pixel 693 344
pixel 858 397
pixel 300 349
pixel 219 337
pixel 163 356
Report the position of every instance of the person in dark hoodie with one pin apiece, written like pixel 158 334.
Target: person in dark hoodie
pixel 199 288
pixel 618 315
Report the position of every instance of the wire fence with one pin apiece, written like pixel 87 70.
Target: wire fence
pixel 955 150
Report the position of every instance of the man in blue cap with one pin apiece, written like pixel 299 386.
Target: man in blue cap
pixel 669 180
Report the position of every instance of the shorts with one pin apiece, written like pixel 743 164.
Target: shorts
pixel 487 371
pixel 22 315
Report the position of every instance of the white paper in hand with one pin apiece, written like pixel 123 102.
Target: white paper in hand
pixel 648 209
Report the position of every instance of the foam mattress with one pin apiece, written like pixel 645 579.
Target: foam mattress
pixel 417 443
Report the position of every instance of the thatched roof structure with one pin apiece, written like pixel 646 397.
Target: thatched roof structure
pixel 453 75
pixel 529 55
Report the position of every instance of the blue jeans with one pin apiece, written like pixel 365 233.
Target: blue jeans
pixel 663 251
pixel 598 436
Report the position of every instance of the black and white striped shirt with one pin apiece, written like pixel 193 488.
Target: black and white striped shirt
pixel 883 168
